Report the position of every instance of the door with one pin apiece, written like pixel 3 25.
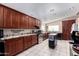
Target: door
pixel 66 29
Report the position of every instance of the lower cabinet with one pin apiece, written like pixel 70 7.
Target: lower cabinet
pixel 30 41
pixel 19 45
pixel 10 46
pixel 27 42
pixel 34 39
pixel 16 45
pixel 13 46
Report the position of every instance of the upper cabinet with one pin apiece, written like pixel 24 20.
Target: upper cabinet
pixel 1 16
pixel 38 23
pixel 30 23
pixel 24 21
pixel 10 18
pixel 7 17
pixel 15 19
pixel 34 23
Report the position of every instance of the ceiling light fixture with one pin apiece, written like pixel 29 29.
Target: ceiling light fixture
pixel 52 10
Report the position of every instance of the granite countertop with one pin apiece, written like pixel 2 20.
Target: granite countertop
pixel 5 38
pixel 53 34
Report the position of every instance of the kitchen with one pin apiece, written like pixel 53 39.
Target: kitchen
pixel 24 26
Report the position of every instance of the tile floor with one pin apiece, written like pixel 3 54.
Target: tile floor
pixel 42 49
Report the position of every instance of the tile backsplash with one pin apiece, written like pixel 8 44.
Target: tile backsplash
pixel 15 32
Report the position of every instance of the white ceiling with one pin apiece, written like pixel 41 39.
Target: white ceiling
pixel 46 11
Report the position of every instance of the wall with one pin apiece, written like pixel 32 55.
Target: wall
pixel 56 23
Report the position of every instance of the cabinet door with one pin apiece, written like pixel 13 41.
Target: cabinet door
pixel 10 48
pixel 7 18
pixel 1 16
pixel 34 39
pixel 25 42
pixel 26 22
pixel 30 23
pixel 21 21
pixel 19 45
pixel 15 19
pixel 33 23
pixel 29 41
pixel 7 48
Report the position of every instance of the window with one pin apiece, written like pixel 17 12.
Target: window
pixel 53 28
pixel 43 28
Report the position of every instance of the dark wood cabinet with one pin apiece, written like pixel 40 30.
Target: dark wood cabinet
pixel 29 23
pixel 19 44
pixel 37 23
pixel 16 45
pixel 21 21
pixel 13 46
pixel 24 21
pixel 7 17
pixel 10 47
pixel 34 39
pixel 1 16
pixel 27 42
pixel 15 19
pixel 33 23
pixel 10 18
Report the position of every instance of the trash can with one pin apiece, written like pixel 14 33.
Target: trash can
pixel 52 41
